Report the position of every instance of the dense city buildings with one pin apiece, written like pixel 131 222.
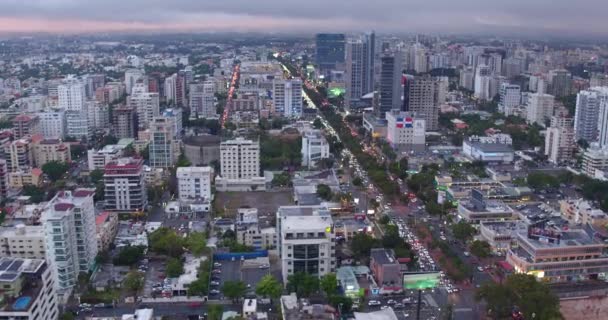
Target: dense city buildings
pixel 125 187
pixel 329 51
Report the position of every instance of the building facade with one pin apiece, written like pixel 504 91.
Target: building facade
pixel 125 186
pixel 194 183
pixel 314 148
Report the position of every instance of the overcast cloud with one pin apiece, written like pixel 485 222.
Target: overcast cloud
pixel 572 16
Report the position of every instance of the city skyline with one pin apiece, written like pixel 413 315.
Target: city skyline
pixel 467 16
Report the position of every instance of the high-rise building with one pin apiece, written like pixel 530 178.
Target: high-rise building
pixel 52 124
pixel 306 240
pixel 48 150
pixel 164 148
pixel 202 100
pixel 540 108
pixel 146 104
pixel 28 290
pixel 125 185
pixel 510 98
pixel 18 155
pixel 194 183
pixel 4 174
pixel 587 113
pixel 330 49
pixel 559 139
pixel 369 59
pixel 176 115
pixel 240 159
pixel 602 123
pixel 98 114
pixel 314 148
pixel 131 78
pixel 421 64
pixel 560 82
pixel 170 88
pixel 419 98
pixel 69 224
pixel 467 77
pixel 24 125
pixel 77 125
pixel 482 82
pixel 287 97
pixel 391 70
pixel 355 60
pixel 124 122
pixel 442 87
pixel 71 95
pixel 21 241
pixel 93 82
pixel 404 129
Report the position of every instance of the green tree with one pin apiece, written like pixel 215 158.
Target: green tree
pixel 215 312
pixel 384 219
pixel 36 193
pixel 303 284
pixel 463 231
pixel 329 284
pixel 357 182
pixel 281 180
pixel 341 303
pixel 77 151
pixel 175 268
pixel 539 180
pixel 96 176
pixel 109 139
pixel 198 287
pixel 182 161
pixel 234 289
pixel 196 242
pixel 361 244
pixel 269 287
pixel 134 281
pixel 129 256
pixel 481 249
pixel 55 169
pixel 317 124
pixel 166 241
pixel 67 316
pixel 324 192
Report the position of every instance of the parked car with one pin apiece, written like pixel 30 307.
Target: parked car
pixel 374 303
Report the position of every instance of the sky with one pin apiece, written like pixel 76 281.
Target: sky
pixel 304 16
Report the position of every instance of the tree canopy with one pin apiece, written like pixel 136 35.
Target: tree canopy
pixel 55 169
pixel 234 289
pixel 129 256
pixel 269 287
pixel 134 281
pixel 303 284
pixel 329 284
pixel 324 192
pixel 175 268
pixel 481 249
pixel 463 231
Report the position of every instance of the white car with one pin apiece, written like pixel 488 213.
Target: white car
pixel 374 303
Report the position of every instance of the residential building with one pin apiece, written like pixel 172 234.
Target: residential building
pixel 405 129
pixel 587 114
pixel 132 76
pixel 249 232
pixel 240 166
pixel 314 148
pixel 77 125
pixel 391 70
pixel 124 122
pixel 21 241
pixel 194 183
pixel 28 290
pixel 594 159
pixel 176 115
pixel 560 82
pixel 146 105
pixel 478 209
pixel 467 76
pixel 98 115
pixel 18 155
pixel 482 82
pixel 287 97
pixel 4 179
pixel 25 125
pixel 330 51
pixel 25 177
pixel 306 241
pixel 71 95
pixel 125 186
pixel 97 159
pixel 52 124
pixel 540 108
pixel 510 98
pixel 555 254
pixel 106 225
pixel 69 227
pixel 202 100
pixel 48 150
pixel 581 212
pixel 164 148
pixel 559 140
pixel 419 98
pixel 386 268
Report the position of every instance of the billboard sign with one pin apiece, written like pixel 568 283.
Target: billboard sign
pixel 421 280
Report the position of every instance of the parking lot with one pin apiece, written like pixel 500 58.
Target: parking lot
pixel 266 202
pixel 248 271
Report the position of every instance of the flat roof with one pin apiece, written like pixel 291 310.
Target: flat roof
pixel 313 222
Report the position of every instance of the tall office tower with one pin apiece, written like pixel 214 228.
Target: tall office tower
pixel 602 124
pixel 124 122
pixel 125 185
pixel 180 89
pixel 69 228
pixel 540 108
pixel 495 63
pixel 306 240
pixel 52 124
pixel 146 104
pixel 176 115
pixel 559 139
pixel 71 95
pixel 240 159
pixel 25 125
pixel 154 83
pixel 419 98
pixel 390 84
pixel 598 80
pixel 92 83
pixel 164 148
pixel 587 113
pixel 560 82
pixel 329 51
pixel 510 98
pixel 512 67
pixel 170 89
pixel 3 179
pixel 467 77
pixel 29 290
pixel 482 82
pixel 354 73
pixel 442 87
pixel 202 100
pixel 98 114
pixel 421 64
pixel 194 183
pixel 188 74
pixel 287 97
pixel 369 56
pixel 77 124
pixel 131 78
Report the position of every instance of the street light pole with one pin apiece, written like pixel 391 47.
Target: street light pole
pixel 419 303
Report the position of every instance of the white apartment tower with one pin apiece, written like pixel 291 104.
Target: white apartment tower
pixel 510 98
pixel 559 140
pixel 202 100
pixel 240 159
pixel 71 95
pixel 164 147
pixel 287 97
pixel 194 183
pixel 131 78
pixel 482 82
pixel 540 108
pixel 69 222
pixel 314 148
pixel 146 104
pixel 125 185
pixel 587 113
pixel 52 124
